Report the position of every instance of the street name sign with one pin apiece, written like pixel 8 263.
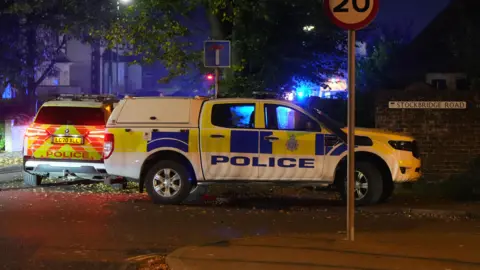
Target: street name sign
pixel 445 105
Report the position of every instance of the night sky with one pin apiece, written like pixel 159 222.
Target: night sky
pixel 401 13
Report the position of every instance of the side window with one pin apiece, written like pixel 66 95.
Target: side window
pixel 233 115
pixel 285 118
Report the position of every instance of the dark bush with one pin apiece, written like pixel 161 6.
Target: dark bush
pixel 464 186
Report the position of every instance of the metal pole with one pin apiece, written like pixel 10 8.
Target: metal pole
pixel 117 57
pixel 351 138
pixel 217 81
pixel 110 72
pixel 116 71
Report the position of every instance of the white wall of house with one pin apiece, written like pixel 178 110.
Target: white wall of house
pixel 75 76
pixel 129 78
pixel 61 79
pixel 80 70
pixel 448 79
pixel 134 78
pixel 14 136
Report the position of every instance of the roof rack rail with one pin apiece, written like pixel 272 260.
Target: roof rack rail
pixel 84 97
pixel 266 95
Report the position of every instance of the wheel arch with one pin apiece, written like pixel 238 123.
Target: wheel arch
pixel 166 155
pixel 375 159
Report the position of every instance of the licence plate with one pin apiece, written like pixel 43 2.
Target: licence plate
pixel 67 140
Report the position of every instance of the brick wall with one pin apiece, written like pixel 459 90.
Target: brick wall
pixel 448 139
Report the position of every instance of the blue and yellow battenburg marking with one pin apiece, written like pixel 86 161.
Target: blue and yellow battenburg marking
pixel 252 142
pixel 177 140
pixel 271 162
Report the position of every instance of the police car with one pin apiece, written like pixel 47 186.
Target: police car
pixel 66 138
pixel 174 144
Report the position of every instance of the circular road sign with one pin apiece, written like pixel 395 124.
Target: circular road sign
pixel 352 14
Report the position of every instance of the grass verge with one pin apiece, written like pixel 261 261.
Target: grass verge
pixel 2 136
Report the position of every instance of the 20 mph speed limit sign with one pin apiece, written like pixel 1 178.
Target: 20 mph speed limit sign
pixel 352 14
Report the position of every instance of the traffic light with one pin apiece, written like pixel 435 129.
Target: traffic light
pixel 210 77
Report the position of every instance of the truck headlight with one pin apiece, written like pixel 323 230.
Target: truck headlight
pixel 402 145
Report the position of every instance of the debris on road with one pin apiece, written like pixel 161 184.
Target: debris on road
pixel 53 185
pixel 10 159
pixel 156 262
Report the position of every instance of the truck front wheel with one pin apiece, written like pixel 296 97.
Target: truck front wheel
pixel 167 183
pixel 368 184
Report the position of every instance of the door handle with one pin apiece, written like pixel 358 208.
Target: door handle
pixel 217 136
pixel 271 138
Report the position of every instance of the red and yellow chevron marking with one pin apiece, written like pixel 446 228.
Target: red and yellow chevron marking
pixel 41 145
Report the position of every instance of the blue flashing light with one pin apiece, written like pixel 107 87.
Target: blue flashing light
pixel 304 88
pixel 9 93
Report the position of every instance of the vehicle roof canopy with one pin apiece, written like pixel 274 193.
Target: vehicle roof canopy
pixel 70 103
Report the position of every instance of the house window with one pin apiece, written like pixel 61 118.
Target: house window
pixel 440 84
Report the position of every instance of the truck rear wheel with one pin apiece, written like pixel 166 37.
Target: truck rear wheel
pixel 368 184
pixel 167 183
pixel 32 180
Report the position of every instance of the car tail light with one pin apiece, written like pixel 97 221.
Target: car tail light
pixel 108 145
pixel 98 134
pixel 35 132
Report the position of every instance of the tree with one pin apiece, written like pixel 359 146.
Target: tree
pixel 288 39
pixel 373 70
pixel 269 43
pixel 34 34
pixel 462 39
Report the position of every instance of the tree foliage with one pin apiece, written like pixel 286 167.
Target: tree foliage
pixel 269 44
pixel 374 71
pixel 34 33
pixel 463 40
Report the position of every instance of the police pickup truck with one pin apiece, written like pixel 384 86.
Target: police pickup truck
pixel 171 145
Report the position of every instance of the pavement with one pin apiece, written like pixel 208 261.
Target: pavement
pixel 45 229
pixel 417 249
pixel 10 173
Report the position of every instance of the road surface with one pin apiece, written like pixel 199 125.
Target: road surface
pixel 70 230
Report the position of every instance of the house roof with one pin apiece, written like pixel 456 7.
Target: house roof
pixel 62 58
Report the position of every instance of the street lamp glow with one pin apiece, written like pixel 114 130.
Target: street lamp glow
pixel 125 2
pixel 308 28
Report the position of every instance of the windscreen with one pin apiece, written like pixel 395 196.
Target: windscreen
pixel 71 116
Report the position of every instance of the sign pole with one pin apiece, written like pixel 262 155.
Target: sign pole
pixel 217 81
pixel 351 15
pixel 217 54
pixel 351 137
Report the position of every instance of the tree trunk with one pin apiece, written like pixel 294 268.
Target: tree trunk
pixel 31 57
